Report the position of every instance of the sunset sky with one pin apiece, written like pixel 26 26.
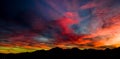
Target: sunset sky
pixel 30 25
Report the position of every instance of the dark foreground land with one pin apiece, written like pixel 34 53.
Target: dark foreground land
pixel 74 53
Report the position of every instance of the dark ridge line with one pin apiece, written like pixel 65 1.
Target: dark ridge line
pixel 87 53
pixel 57 50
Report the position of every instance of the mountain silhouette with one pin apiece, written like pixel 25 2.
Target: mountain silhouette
pixel 61 53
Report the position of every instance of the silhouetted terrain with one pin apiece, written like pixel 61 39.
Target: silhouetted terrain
pixel 60 53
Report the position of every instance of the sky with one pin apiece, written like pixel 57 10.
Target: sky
pixel 30 25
